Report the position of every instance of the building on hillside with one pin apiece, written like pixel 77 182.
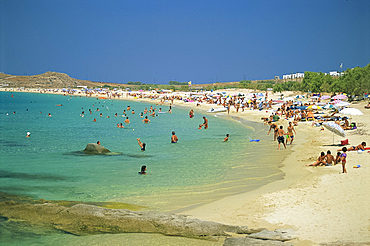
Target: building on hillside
pixel 293 75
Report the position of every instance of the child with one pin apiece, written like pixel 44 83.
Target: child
pixel 320 160
pixel 329 158
pixel 343 158
pixel 337 158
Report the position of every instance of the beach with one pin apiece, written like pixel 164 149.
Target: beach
pixel 321 204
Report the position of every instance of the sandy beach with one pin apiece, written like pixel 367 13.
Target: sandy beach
pixel 321 204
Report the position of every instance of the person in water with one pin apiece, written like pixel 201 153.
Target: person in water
pixel 205 123
pixel 191 114
pixel 227 138
pixel 142 145
pixel 143 170
pixel 98 143
pixel 174 138
pixel 146 120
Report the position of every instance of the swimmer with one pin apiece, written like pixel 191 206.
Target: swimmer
pixel 49 114
pixel 133 112
pixel 205 123
pixel 143 170
pixel 227 138
pixel 28 135
pixel 142 145
pixel 127 121
pixel 174 138
pixel 191 114
pixel 98 143
pixel 146 120
pixel 94 120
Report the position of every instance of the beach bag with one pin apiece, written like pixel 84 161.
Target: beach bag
pixel 344 142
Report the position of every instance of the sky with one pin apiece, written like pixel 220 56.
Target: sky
pixel 203 41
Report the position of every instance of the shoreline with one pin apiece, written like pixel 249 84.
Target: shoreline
pixel 314 201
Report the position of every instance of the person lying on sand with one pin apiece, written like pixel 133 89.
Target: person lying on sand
pixel 320 160
pixel 358 147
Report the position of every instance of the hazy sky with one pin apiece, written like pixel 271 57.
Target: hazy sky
pixel 201 40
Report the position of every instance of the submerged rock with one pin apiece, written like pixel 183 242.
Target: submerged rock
pixel 82 219
pixel 245 241
pixel 95 149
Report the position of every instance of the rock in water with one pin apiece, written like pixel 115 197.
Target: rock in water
pixel 95 149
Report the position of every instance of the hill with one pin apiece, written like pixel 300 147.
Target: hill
pixel 46 80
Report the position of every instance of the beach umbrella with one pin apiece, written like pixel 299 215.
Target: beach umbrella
pixel 288 99
pixel 325 97
pixel 339 97
pixel 314 97
pixel 351 111
pixel 342 104
pixel 328 106
pixel 335 128
pixel 314 107
pixel 299 96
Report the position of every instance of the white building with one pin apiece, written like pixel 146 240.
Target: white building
pixel 293 76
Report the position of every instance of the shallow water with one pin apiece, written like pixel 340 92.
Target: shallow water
pixel 200 168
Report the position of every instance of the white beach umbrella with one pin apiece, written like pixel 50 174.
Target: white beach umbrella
pixel 335 128
pixel 351 111
pixel 342 104
pixel 288 99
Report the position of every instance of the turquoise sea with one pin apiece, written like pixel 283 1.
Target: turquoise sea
pixel 200 168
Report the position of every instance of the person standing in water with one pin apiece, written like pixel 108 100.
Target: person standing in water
pixel 227 138
pixel 191 114
pixel 174 138
pixel 205 123
pixel 143 170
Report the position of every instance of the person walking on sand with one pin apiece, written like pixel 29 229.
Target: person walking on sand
pixel 205 123
pixel 290 134
pixel 280 138
pixel 174 138
pixel 343 158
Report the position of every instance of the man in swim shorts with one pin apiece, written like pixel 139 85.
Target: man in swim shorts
pixel 290 134
pixel 280 137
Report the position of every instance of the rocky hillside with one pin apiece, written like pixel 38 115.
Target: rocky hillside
pixel 45 80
